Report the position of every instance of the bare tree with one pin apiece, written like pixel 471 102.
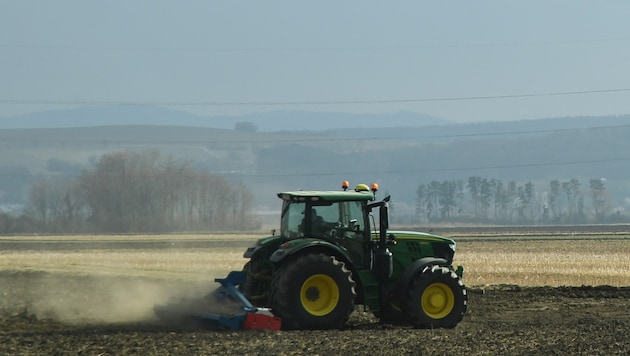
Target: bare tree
pixel 600 199
pixel 57 203
pixel 571 189
pixel 144 191
pixel 554 201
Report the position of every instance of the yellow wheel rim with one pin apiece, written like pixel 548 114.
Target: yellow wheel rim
pixel 319 294
pixel 438 300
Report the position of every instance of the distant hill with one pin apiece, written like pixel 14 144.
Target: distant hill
pixel 398 158
pixel 488 129
pixel 264 121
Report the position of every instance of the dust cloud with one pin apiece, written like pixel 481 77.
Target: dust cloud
pixel 91 299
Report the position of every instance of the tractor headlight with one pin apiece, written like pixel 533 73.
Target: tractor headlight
pixel 452 246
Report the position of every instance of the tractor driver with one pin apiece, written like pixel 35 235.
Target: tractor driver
pixel 318 226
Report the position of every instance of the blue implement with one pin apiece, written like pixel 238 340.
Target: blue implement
pixel 224 308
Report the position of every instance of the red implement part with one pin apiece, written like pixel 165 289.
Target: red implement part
pixel 255 321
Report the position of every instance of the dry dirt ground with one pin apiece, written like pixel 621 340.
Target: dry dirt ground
pixel 506 320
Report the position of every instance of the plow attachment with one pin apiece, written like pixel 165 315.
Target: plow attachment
pixel 224 308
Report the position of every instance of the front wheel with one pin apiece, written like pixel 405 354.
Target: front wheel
pixel 436 298
pixel 314 291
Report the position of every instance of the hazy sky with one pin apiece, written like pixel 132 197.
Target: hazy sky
pixel 351 56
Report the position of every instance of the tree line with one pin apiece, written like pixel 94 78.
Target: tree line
pixel 136 192
pixel 129 191
pixel 491 200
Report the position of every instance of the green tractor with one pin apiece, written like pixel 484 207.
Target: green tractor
pixel 330 256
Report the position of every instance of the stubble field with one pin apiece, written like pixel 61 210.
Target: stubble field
pixel 94 295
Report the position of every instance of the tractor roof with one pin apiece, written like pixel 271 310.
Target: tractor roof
pixel 327 195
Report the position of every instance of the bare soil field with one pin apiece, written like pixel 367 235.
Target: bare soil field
pixel 95 298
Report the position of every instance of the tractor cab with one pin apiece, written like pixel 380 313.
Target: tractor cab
pixel 340 218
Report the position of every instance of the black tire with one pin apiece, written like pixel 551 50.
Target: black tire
pixel 314 291
pixel 256 286
pixel 436 298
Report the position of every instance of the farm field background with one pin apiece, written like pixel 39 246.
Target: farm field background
pixel 528 293
pixel 526 260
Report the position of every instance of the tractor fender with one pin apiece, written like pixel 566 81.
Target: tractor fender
pixel 413 269
pixel 253 250
pixel 294 247
pixel 265 243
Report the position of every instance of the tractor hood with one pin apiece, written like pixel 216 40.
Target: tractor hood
pixel 418 236
pixel 408 242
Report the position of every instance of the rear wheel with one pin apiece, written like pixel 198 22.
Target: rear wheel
pixel 436 298
pixel 314 291
pixel 256 285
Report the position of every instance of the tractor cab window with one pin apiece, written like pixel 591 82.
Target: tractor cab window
pixel 352 217
pixel 292 217
pixel 324 218
pixel 338 219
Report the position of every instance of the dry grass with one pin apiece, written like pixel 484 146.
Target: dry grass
pixel 528 263
pixel 546 262
pixel 169 263
pixel 138 237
